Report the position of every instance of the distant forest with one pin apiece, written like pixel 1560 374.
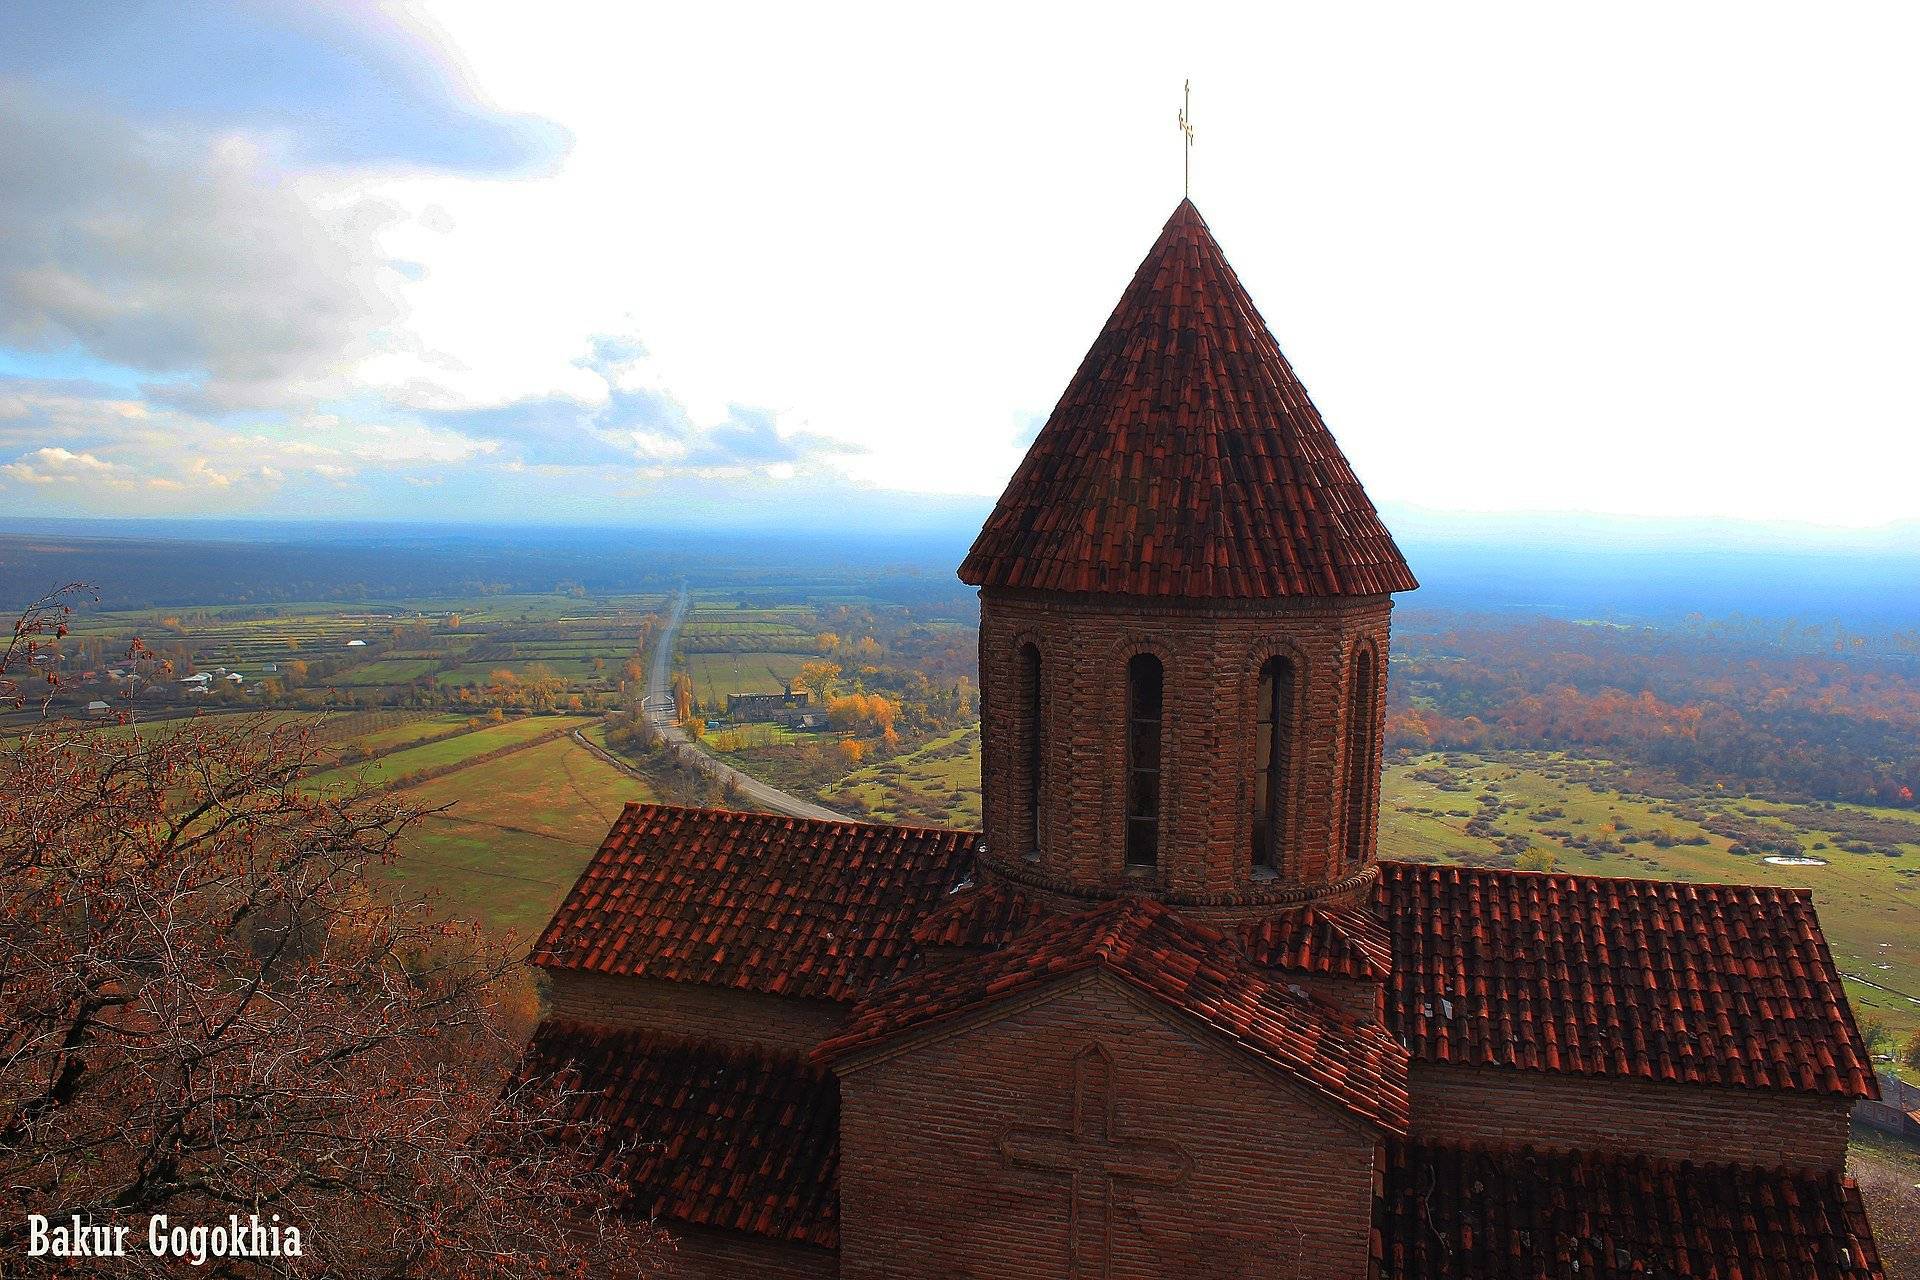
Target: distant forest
pixel 265 565
pixel 1785 709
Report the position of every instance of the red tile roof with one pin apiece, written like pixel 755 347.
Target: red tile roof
pixel 1187 966
pixel 789 906
pixel 1185 459
pixel 1458 1213
pixel 980 915
pixel 1339 941
pixel 1702 983
pixel 703 1133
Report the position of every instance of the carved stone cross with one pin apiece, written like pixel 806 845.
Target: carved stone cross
pixel 1096 1158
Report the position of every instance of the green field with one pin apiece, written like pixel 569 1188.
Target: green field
pixel 387 769
pixel 399 735
pixel 715 675
pixel 936 785
pixel 514 833
pixel 385 671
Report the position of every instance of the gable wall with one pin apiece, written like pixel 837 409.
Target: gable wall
pixel 1545 1110
pixel 748 1018
pixel 1280 1182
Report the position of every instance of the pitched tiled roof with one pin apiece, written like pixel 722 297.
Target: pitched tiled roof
pixel 705 1134
pixel 1185 459
pixel 1457 1213
pixel 1702 983
pixel 1340 941
pixel 789 906
pixel 979 915
pixel 1189 967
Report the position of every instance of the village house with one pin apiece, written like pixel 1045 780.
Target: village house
pixel 1172 1013
pixel 749 708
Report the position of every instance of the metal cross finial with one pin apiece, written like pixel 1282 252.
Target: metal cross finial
pixel 1186 131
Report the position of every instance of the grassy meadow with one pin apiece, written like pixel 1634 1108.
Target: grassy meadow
pixel 509 836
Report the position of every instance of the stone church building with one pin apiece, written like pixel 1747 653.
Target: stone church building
pixel 1171 1014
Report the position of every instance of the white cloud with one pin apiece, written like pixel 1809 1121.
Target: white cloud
pixel 176 253
pixel 1523 258
pixel 179 459
pixel 52 464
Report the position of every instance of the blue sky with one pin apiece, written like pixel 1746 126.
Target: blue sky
pixel 648 263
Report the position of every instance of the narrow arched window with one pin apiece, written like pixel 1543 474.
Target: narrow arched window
pixel 1032 743
pixel 1363 762
pixel 1272 762
pixel 1145 681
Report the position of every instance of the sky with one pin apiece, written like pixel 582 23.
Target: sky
pixel 833 264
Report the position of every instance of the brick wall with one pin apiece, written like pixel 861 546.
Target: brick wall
pixel 725 1255
pixel 720 1013
pixel 1246 1175
pixel 1674 1121
pixel 1212 656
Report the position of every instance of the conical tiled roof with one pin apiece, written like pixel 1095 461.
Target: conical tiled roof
pixel 1185 459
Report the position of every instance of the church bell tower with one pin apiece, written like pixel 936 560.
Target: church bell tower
pixel 1184 601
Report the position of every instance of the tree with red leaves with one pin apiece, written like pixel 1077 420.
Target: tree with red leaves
pixel 205 1011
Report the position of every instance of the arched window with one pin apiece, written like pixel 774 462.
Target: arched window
pixel 1032 743
pixel 1145 681
pixel 1363 762
pixel 1272 762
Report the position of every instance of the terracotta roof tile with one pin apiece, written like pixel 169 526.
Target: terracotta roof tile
pixel 979 915
pixel 1185 459
pixel 1342 942
pixel 1461 1213
pixel 703 1133
pixel 788 906
pixel 1190 967
pixel 1702 983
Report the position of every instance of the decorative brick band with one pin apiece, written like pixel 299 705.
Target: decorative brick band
pixel 1064 894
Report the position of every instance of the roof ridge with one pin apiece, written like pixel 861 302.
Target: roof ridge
pixel 787 819
pixel 1621 1156
pixel 1801 891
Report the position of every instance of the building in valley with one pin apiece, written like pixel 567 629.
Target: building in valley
pixel 1170 1014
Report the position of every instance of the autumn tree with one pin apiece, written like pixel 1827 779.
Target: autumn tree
pixel 206 1009
pixel 817 678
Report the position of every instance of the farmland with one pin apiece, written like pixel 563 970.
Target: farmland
pixel 508 837
pixel 439 683
pixel 399 766
pixel 454 654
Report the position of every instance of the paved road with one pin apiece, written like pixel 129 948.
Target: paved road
pixel 658 708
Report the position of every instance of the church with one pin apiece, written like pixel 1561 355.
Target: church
pixel 1172 1013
